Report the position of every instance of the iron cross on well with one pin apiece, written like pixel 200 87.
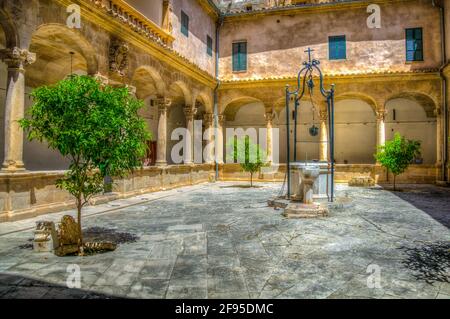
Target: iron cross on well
pixel 309 51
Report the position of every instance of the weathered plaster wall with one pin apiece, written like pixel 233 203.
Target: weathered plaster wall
pixel 150 113
pixel 200 25
pixel 412 122
pixel 282 39
pixel 446 5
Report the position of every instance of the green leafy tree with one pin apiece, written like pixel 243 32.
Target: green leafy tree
pixel 95 126
pixel 249 155
pixel 397 154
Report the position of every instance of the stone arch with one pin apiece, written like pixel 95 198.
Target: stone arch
pixel 206 99
pixel 52 44
pixel 148 81
pixel 181 97
pixel 232 107
pixel 413 116
pixel 179 89
pixel 427 102
pixel 355 130
pixel 9 29
pixel 358 96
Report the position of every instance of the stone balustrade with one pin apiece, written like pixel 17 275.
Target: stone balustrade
pixel 126 14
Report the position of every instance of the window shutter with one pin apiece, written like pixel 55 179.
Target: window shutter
pixel 235 56
pixel 414 44
pixel 337 46
pixel 240 56
pixel 209 45
pixel 243 56
pixel 184 23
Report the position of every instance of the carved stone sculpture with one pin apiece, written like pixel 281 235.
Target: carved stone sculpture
pixel 118 57
pixel 45 237
pixel 68 236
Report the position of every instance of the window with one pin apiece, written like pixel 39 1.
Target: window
pixel 239 56
pixel 414 44
pixel 209 45
pixel 184 23
pixel 337 47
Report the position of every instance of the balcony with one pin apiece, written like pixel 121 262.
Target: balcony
pixel 134 19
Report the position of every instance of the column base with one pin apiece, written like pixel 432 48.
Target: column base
pixel 162 163
pixel 11 167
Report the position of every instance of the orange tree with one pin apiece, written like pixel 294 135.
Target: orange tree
pixel 249 155
pixel 95 126
pixel 397 154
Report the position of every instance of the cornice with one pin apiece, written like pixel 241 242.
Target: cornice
pixel 98 15
pixel 304 8
pixel 426 75
pixel 211 9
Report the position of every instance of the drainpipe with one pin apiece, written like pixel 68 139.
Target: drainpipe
pixel 444 155
pixel 216 96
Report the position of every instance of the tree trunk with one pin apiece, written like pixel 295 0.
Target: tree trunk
pixel 251 179
pixel 79 207
pixel 394 184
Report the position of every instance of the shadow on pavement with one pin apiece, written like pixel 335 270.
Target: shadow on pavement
pixel 13 286
pixel 431 199
pixel 431 262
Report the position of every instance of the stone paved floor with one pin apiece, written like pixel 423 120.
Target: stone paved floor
pixel 218 241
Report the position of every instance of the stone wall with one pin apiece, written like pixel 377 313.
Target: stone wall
pixel 282 37
pixel 421 174
pixel 200 26
pixel 28 194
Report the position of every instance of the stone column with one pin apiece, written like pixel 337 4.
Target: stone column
pixel 16 59
pixel 439 142
pixel 189 153
pixel 381 132
pixel 269 126
pixel 323 150
pixel 161 153
pixel 220 137
pixel 208 119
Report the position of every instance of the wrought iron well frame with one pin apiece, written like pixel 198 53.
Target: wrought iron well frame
pixel 309 67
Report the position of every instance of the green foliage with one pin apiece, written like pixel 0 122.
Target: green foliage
pixel 249 155
pixel 396 155
pixel 96 126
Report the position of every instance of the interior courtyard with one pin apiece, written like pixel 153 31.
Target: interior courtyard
pixel 193 228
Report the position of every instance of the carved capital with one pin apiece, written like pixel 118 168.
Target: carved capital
pixel 437 112
pixel 163 104
pixel 189 112
pixel 323 115
pixel 381 115
pixel 17 58
pixel 101 78
pixel 221 120
pixel 131 88
pixel 269 117
pixel 208 118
